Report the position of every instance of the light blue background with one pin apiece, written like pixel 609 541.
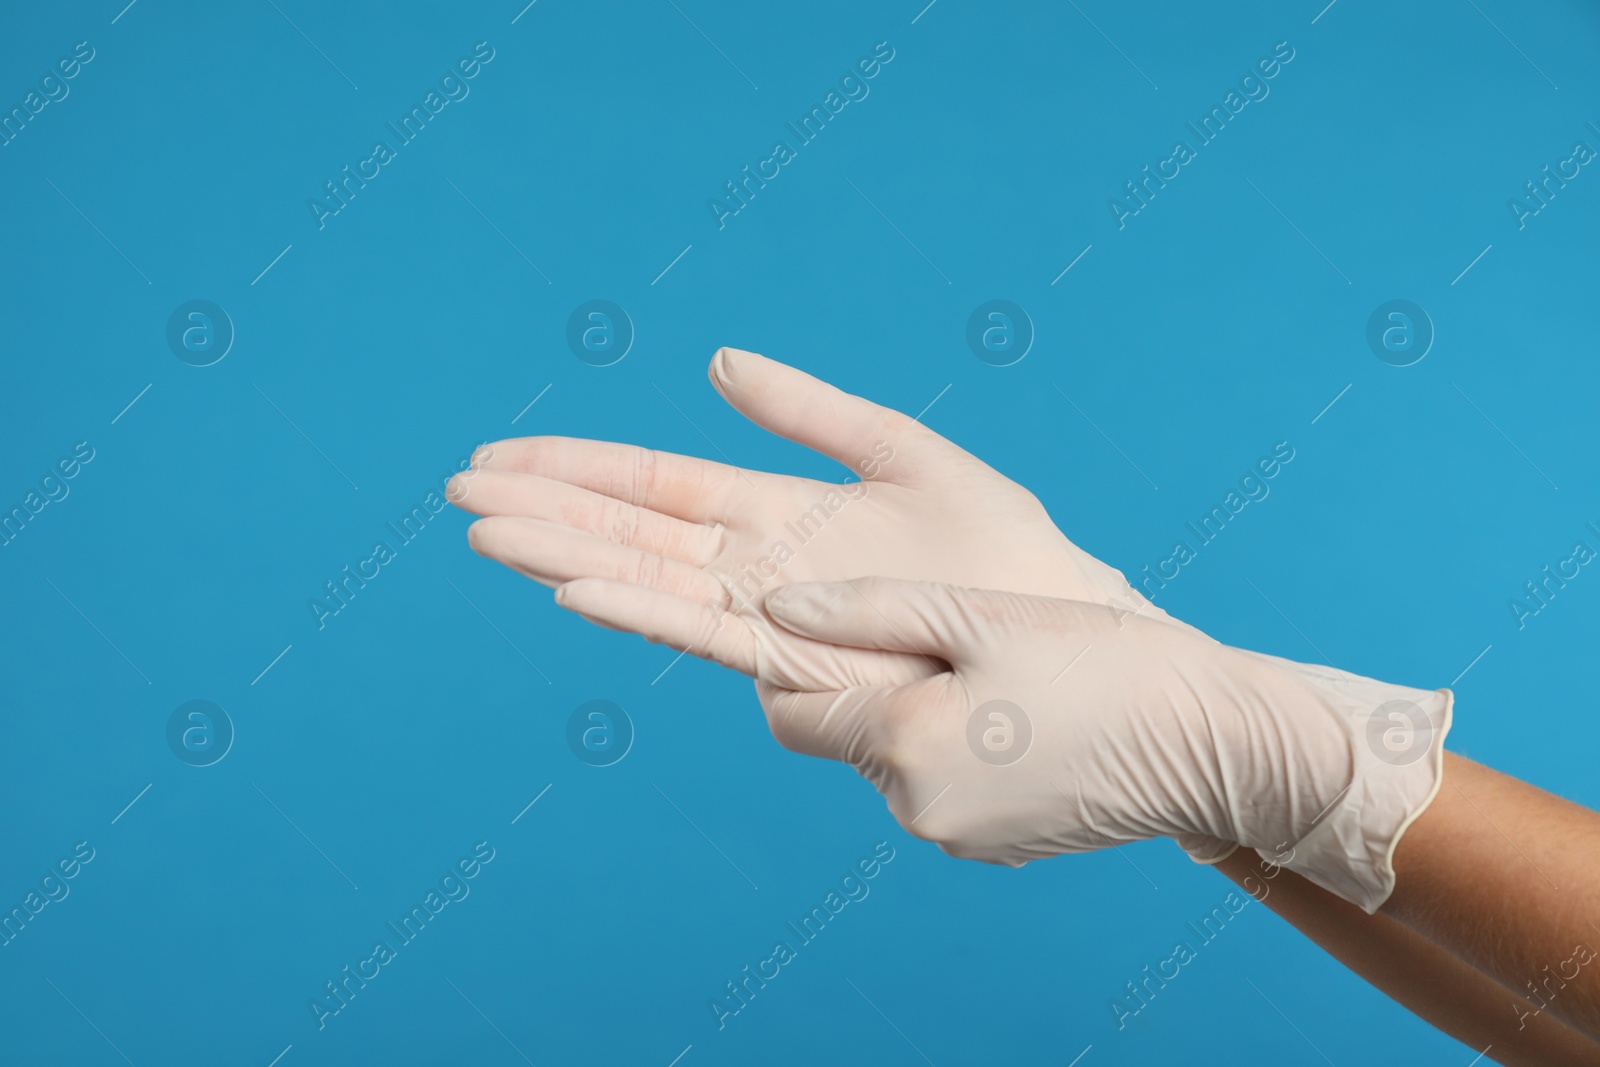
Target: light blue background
pixel 408 330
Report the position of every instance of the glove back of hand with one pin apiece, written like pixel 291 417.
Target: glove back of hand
pixel 1058 726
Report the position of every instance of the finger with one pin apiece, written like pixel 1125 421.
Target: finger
pixel 875 442
pixel 696 490
pixel 496 492
pixel 696 627
pixel 930 618
pixel 1204 849
pixel 552 554
pixel 847 725
pixel 878 613
pixel 706 629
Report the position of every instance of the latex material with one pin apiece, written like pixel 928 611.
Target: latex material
pixel 1062 727
pixel 682 550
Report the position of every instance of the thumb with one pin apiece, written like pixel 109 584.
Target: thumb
pixel 875 442
pixel 887 614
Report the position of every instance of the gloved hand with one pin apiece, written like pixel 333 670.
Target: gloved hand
pixel 682 550
pixel 1062 727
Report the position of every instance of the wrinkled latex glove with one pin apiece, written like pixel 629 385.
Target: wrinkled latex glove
pixel 683 551
pixel 1061 727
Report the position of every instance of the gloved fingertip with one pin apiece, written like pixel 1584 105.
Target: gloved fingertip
pixel 797 601
pixel 718 370
pixel 1211 859
pixel 777 602
pixel 727 364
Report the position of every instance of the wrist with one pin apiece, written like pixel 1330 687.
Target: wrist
pixel 1387 773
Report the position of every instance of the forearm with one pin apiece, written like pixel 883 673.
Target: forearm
pixel 1507 878
pixel 1421 976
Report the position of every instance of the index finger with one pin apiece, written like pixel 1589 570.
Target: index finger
pixel 697 490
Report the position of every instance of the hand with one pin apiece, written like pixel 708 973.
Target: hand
pixel 683 551
pixel 1059 727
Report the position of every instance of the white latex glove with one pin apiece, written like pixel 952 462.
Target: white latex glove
pixel 682 550
pixel 1061 727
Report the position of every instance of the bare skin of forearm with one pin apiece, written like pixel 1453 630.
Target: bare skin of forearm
pixel 1507 877
pixel 1422 977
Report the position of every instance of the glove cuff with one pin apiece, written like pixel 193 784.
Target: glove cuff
pixel 1398 754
